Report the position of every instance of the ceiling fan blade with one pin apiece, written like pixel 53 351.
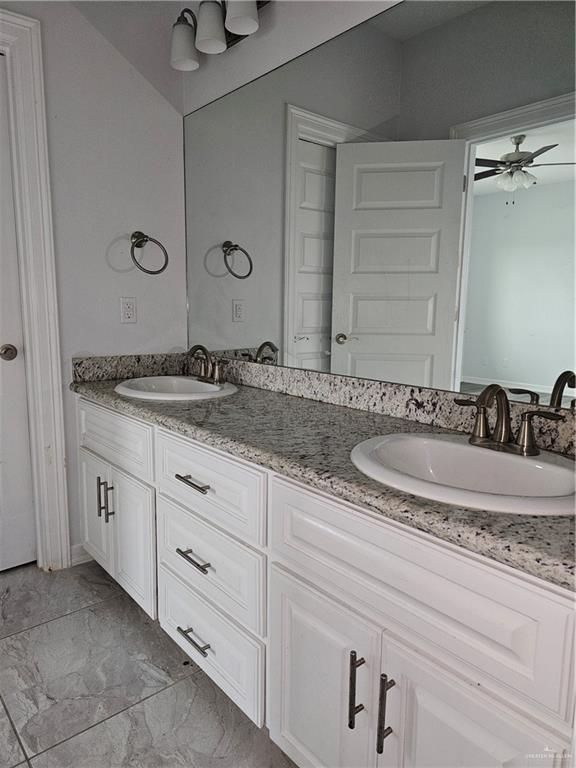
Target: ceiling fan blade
pixel 540 151
pixel 542 165
pixel 486 174
pixel 488 163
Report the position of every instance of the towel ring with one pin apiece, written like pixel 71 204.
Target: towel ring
pixel 229 247
pixel 139 240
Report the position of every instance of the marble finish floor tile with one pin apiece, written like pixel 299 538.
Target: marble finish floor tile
pixel 29 596
pixel 11 753
pixel 189 725
pixel 62 677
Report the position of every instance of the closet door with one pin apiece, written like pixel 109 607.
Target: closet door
pixel 132 520
pixel 94 482
pixel 315 681
pixel 430 719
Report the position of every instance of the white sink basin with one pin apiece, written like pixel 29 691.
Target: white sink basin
pixel 447 468
pixel 173 388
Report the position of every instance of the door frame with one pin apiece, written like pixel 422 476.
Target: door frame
pixel 308 126
pixel 479 131
pixel 20 43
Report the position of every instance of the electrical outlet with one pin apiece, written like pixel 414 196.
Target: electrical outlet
pixel 128 309
pixel 238 310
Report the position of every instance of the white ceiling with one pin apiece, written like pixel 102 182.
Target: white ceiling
pixel 412 17
pixel 562 134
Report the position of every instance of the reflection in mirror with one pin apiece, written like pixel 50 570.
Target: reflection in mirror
pixel 338 175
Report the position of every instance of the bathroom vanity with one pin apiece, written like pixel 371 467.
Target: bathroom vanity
pixel 341 614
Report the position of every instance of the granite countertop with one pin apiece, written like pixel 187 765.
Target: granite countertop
pixel 311 442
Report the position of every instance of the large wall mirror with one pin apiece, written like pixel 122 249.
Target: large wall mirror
pixel 342 175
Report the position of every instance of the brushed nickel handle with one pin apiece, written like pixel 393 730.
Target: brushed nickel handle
pixel 107 513
pixel 340 338
pixel 353 708
pixel 383 731
pixel 100 505
pixel 186 633
pixel 185 553
pixel 8 352
pixel 191 484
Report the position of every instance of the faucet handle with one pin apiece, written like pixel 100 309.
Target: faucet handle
pixel 526 440
pixel 480 431
pixel 534 396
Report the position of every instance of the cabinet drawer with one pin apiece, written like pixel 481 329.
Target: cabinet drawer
pixel 508 633
pixel 122 441
pixel 234 494
pixel 234 579
pixel 233 659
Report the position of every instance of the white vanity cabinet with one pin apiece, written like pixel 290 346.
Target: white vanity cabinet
pixel 438 658
pixel 465 665
pixel 118 509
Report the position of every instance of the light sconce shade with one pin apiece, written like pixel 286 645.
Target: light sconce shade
pixel 210 34
pixel 183 55
pixel 241 17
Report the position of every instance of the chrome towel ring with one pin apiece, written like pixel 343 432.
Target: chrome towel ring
pixel 228 248
pixel 139 240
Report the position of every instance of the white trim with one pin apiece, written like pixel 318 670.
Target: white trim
pixel 20 42
pixel 477 132
pixel 530 116
pixel 78 555
pixel 543 389
pixel 301 124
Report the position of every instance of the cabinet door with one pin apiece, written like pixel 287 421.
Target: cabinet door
pixel 311 640
pixel 438 721
pixel 94 474
pixel 133 525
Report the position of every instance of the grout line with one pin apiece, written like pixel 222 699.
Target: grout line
pixel 120 711
pixel 19 740
pixel 62 616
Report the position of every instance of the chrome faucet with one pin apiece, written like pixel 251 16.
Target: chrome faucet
pixel 501 438
pixel 207 365
pixel 259 356
pixel 566 379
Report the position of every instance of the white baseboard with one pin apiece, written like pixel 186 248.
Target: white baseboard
pixel 79 555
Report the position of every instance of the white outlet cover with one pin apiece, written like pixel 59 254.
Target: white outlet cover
pixel 128 309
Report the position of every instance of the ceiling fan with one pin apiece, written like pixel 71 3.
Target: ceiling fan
pixel 514 163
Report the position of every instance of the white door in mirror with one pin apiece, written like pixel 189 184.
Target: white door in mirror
pixel 173 388
pixel 447 468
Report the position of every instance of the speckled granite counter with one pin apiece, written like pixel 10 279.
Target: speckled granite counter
pixel 311 442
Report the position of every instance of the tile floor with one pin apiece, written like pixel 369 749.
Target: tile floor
pixel 87 680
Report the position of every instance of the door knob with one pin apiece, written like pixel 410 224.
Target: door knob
pixel 8 352
pixel 341 338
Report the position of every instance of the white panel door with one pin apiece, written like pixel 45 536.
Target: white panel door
pixel 133 522
pixel 94 481
pixel 311 639
pixel 398 221
pixel 439 722
pixel 17 526
pixel 308 337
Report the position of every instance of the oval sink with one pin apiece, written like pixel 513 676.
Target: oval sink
pixel 447 468
pixel 173 388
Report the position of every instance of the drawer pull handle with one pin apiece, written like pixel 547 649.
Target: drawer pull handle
pixel 99 485
pixel 185 553
pixel 353 708
pixel 191 484
pixel 107 512
pixel 186 633
pixel 383 731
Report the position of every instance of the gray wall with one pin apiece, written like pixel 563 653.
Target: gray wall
pixel 115 155
pixel 500 56
pixel 520 311
pixel 235 154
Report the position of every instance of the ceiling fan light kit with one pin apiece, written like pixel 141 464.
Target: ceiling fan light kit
pixel 510 169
